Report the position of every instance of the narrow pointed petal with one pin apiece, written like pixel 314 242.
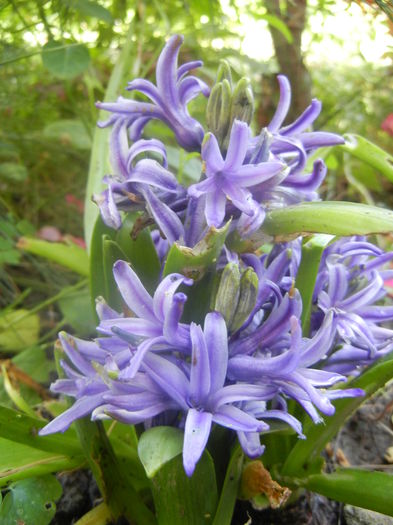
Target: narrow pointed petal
pixel 251 444
pixel 215 208
pixel 168 377
pixel 216 337
pixel 251 175
pixel 238 145
pixel 196 434
pixel 187 67
pixel 148 171
pixel 200 367
pixel 211 154
pixel 232 417
pixel 146 146
pixel 305 120
pixel 201 188
pixel 283 105
pixel 190 88
pixel 167 220
pixel 79 409
pixel 166 71
pixel 147 88
pixel 319 139
pixel 108 209
pixel 132 290
pixel 310 182
pixel 71 350
pixel 118 147
pixel 163 296
pixel 138 357
pixel 174 333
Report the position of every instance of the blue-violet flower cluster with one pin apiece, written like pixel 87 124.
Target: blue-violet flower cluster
pixel 238 364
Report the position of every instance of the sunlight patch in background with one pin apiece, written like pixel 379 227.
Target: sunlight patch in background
pixel 346 34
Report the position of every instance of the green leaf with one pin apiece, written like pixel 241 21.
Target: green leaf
pixel 70 256
pixel 306 452
pixel 98 281
pixel 24 429
pixel 194 262
pixel 65 61
pixel 99 153
pixel 31 501
pixel 369 153
pixel 336 218
pixel 13 172
pixel 312 251
pixel 77 312
pixel 140 252
pixel 87 8
pixel 18 330
pixel 20 461
pixel 230 489
pixel 111 253
pixel 112 475
pixel 157 446
pixel 99 515
pixel 369 490
pixel 179 499
pixel 71 132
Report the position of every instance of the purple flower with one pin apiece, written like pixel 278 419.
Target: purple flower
pixel 157 323
pixel 228 180
pixel 293 142
pixel 281 359
pixel 169 99
pixel 201 393
pixel 142 184
pixel 350 283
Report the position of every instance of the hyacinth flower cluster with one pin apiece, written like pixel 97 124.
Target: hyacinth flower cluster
pixel 242 361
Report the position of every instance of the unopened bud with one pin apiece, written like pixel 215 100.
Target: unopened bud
pixel 219 109
pixel 228 292
pixel 242 107
pixel 247 299
pixel 224 73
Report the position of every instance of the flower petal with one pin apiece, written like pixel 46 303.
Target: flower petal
pixel 196 434
pixel 133 292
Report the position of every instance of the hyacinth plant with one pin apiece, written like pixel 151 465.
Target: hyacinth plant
pixel 240 319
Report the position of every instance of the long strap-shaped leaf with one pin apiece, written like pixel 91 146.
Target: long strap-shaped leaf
pixel 369 490
pixel 99 152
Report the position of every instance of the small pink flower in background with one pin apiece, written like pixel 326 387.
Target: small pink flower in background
pixel 53 234
pixel 387 124
pixel 71 200
pixel 50 233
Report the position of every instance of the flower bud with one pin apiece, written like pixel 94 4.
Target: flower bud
pixel 224 73
pixel 219 109
pixel 242 107
pixel 228 292
pixel 247 299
